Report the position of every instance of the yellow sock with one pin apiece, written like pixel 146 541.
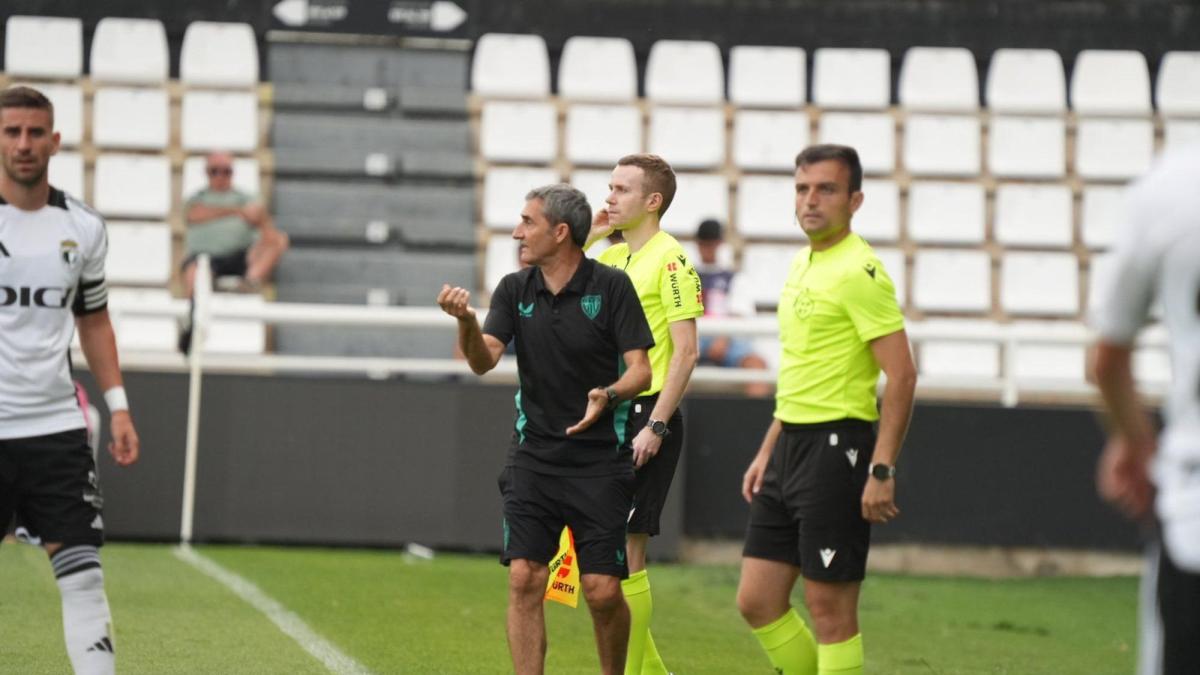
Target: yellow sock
pixel 789 645
pixel 841 658
pixel 642 657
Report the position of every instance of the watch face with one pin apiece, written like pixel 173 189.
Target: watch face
pixel 659 427
pixel 882 471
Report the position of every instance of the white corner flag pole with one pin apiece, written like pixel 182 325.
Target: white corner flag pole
pixel 201 294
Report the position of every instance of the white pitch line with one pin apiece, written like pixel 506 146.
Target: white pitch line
pixel 334 659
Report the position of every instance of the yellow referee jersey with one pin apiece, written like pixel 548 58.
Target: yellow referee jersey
pixel 669 288
pixel 834 303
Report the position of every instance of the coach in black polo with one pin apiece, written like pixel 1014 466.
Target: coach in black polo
pixel 581 342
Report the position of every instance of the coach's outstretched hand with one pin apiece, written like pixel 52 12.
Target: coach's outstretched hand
pixel 125 445
pixel 597 402
pixel 456 302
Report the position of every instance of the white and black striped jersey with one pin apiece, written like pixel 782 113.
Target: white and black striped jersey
pixel 1157 255
pixel 51 270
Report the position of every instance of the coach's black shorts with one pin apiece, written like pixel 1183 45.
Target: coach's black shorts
pixel 228 265
pixel 49 483
pixel 538 505
pixel 653 479
pixel 808 512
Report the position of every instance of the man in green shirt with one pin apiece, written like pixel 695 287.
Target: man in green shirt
pixel 668 287
pixel 822 475
pixel 232 227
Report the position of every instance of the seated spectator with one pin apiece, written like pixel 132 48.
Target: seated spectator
pixel 720 300
pixel 232 227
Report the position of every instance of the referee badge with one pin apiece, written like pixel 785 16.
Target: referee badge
pixel 69 251
pixel 590 305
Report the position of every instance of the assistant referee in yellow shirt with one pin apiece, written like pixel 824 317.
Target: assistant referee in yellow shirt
pixel 822 475
pixel 641 188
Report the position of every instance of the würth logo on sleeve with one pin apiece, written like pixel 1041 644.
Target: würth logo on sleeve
pixel 69 251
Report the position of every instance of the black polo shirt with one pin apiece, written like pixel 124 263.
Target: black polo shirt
pixel 568 344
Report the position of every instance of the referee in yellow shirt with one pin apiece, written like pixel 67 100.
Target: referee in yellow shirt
pixel 668 287
pixel 822 475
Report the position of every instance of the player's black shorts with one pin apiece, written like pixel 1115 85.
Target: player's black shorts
pixel 229 265
pixel 654 477
pixel 538 505
pixel 49 483
pixel 1179 608
pixel 808 512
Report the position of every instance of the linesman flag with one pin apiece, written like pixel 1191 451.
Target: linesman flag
pixel 563 584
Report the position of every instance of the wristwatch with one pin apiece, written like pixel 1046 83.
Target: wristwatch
pixel 880 471
pixel 659 428
pixel 611 392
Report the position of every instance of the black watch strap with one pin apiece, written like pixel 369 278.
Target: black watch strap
pixel 613 399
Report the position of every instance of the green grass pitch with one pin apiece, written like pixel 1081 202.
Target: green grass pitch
pixel 395 614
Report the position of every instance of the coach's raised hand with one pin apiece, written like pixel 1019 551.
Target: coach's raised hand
pixel 456 302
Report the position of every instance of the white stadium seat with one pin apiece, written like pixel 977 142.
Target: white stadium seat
pixel 942 145
pixel 894 265
pixel 599 135
pixel 946 213
pixel 685 71
pixel 768 140
pixel 68 111
pixel 141 333
pixel 951 361
pixel 1100 269
pixel 131 117
pixel 132 51
pixel 873 135
pixel 237 336
pixel 766 208
pixel 1103 211
pixel 939 79
pixel 1113 149
pixel 765 268
pixel 767 77
pixel 219 120
pixel 1049 362
pixel 138 253
pixel 1110 82
pixel 693 138
pixel 1027 147
pixel 1034 215
pixel 952 280
pixel 1178 88
pixel 42 46
pixel 1039 283
pixel 597 69
pixel 1026 81
pixel 698 196
pixel 500 259
pixel 245 176
pixel 852 79
pixel 504 190
pixel 136 186
pixel 594 184
pixel 518 131
pixel 878 219
pixel 216 54
pixel 1178 133
pixel 66 173
pixel 511 65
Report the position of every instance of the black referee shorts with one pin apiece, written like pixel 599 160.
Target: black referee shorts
pixel 49 483
pixel 808 512
pixel 538 505
pixel 653 479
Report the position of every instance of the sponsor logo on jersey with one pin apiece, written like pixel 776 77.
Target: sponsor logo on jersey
pixel 50 297
pixel 526 311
